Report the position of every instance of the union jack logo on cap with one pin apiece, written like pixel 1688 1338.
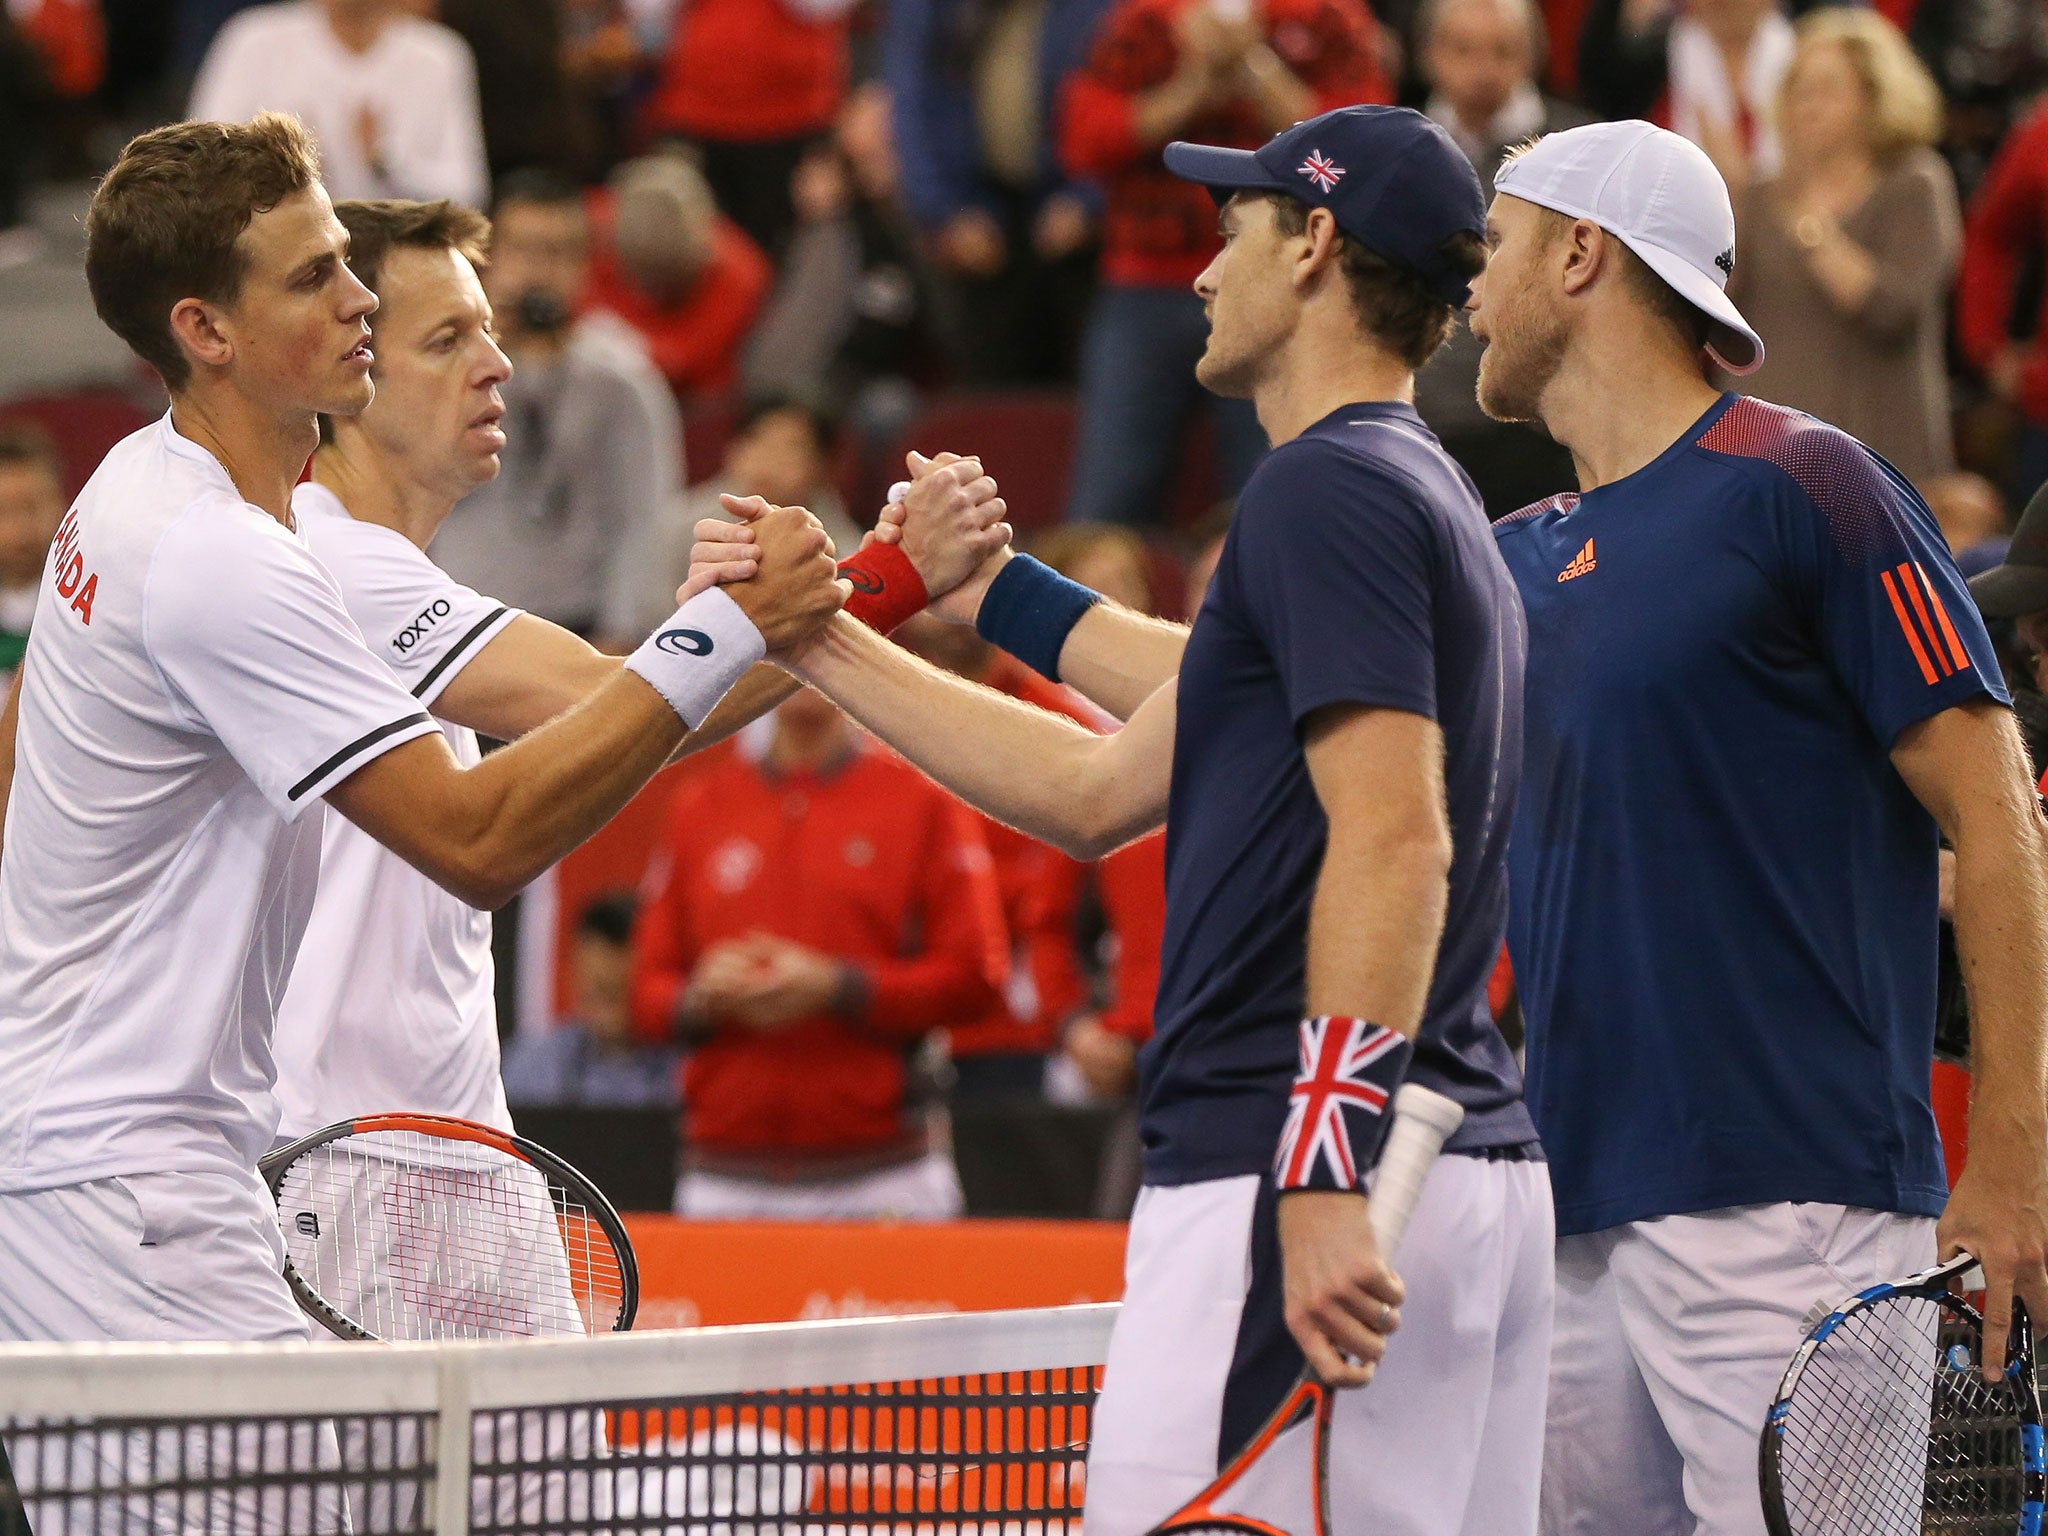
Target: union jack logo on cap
pixel 1321 169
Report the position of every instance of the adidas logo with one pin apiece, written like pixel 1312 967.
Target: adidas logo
pixel 1582 563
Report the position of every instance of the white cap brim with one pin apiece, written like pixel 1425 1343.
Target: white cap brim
pixel 1735 346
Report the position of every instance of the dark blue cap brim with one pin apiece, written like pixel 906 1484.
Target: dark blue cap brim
pixel 1221 170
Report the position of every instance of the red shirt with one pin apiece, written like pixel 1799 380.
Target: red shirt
pixel 1041 890
pixel 2007 222
pixel 1159 231
pixel 695 343
pixel 747 71
pixel 871 863
pixel 1132 882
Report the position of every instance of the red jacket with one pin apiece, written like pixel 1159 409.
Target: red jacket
pixel 747 71
pixel 1041 890
pixel 2007 222
pixel 695 344
pixel 871 863
pixel 1132 882
pixel 1159 231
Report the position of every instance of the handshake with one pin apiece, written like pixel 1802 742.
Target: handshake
pixel 777 563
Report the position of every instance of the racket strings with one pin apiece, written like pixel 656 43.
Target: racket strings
pixel 418 1236
pixel 1892 1430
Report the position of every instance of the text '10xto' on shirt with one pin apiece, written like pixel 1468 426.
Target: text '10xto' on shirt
pixel 1724 892
pixel 1359 570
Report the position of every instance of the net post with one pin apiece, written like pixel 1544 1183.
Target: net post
pixel 452 1430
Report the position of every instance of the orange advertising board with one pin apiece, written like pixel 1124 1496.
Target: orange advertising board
pixel 708 1272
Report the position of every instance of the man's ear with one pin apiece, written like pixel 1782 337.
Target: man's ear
pixel 1587 251
pixel 196 328
pixel 1325 242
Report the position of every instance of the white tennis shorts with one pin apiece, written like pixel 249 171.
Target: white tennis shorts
pixel 1671 1337
pixel 1446 1441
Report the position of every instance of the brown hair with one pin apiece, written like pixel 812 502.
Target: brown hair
pixel 166 223
pixel 376 229
pixel 1393 305
pixel 1905 101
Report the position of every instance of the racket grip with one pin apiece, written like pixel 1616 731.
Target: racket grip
pixel 1423 1121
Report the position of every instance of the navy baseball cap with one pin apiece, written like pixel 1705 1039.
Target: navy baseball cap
pixel 1395 182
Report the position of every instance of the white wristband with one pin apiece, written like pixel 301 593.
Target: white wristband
pixel 698 655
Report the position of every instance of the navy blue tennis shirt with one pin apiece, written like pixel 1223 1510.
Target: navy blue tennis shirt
pixel 1359 569
pixel 1724 914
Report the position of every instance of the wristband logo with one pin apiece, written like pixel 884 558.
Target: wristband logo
pixel 860 580
pixel 684 642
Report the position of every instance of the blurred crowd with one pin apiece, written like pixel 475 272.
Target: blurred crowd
pixel 762 246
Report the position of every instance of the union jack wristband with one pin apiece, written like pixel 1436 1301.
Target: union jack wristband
pixel 886 587
pixel 1337 1115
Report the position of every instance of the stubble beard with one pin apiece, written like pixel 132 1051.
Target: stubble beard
pixel 1523 355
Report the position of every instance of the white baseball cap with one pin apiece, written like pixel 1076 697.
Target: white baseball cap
pixel 1660 196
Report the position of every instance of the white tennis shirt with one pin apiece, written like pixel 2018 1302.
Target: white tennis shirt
pixel 193 686
pixel 390 1006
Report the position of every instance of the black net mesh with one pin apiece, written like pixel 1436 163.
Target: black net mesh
pixel 996 1453
pixel 1893 1431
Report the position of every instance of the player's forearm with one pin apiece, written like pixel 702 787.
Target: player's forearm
pixel 9 718
pixel 1118 659
pixel 485 833
pixel 1374 926
pixel 2001 922
pixel 1035 771
pixel 761 689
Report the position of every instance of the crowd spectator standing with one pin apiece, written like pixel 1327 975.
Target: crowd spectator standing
pixel 854 319
pixel 569 530
pixel 1230 73
pixel 976 87
pixel 1711 68
pixel 2003 243
pixel 591 1058
pixel 751 86
pixel 819 909
pixel 31 505
pixel 677 270
pixel 1480 58
pixel 390 96
pixel 1845 257
pixel 524 92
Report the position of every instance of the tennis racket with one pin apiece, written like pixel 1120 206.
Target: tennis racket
pixel 408 1226
pixel 1885 1426
pixel 1423 1122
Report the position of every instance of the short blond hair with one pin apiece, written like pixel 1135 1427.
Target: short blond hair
pixel 1905 103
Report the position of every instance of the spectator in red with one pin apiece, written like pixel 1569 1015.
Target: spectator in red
pixel 1224 72
pixel 819 910
pixel 678 271
pixel 2005 236
pixel 753 85
pixel 1004 1053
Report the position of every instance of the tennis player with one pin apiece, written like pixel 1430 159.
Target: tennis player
pixel 197 686
pixel 1336 764
pixel 1758 694
pixel 390 1005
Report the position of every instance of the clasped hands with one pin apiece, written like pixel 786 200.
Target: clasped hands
pixel 949 522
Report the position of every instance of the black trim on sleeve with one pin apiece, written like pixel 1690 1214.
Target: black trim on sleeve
pixel 349 751
pixel 455 651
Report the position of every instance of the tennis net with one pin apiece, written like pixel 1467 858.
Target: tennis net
pixel 967 1425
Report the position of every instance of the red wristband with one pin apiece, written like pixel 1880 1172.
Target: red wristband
pixel 886 587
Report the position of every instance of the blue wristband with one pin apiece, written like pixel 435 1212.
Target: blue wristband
pixel 1029 610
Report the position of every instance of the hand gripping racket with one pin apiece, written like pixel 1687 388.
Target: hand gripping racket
pixel 408 1226
pixel 1423 1122
pixel 1885 1426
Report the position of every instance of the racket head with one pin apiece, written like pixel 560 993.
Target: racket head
pixel 1883 1424
pixel 430 1227
pixel 1309 1401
